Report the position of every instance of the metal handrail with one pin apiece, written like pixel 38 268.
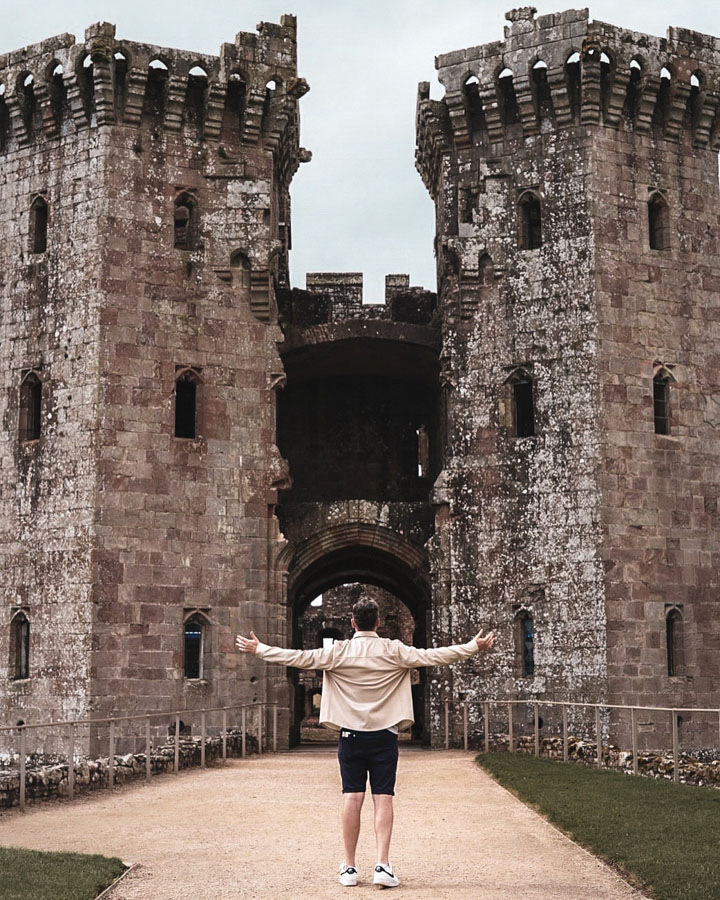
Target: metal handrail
pixel 112 721
pixel 564 704
pixel 137 716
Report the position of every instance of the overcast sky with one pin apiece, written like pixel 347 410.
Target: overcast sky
pixel 359 205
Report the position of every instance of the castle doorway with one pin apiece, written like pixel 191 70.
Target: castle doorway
pixel 327 619
pixel 326 575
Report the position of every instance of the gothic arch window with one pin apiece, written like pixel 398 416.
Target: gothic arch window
pixel 573 80
pixel 195 647
pixel 423 451
pixel 38 224
pixel 473 104
pixel 188 384
pixel 234 110
pixel 522 403
pixel 507 98
pixel 542 97
pixel 57 91
pixel 662 380
pixel 658 222
pixel 20 646
pixel 486 270
pixel 185 221
pixel 674 641
pixel 240 265
pixel 30 419
pixel 26 98
pixel 524 643
pixel 530 221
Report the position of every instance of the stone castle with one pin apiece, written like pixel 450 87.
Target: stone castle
pixel 191 447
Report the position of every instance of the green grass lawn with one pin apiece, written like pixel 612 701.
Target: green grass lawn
pixel 31 875
pixel 664 836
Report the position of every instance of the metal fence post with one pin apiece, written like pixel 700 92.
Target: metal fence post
pixel 636 764
pixel 565 733
pixel 676 747
pixel 465 725
pixel 275 718
pixel 260 713
pixel 224 734
pixel 71 761
pixel 487 726
pixel 243 746
pixel 536 716
pixel 447 724
pixel 111 755
pixel 177 742
pixel 148 750
pixel 511 739
pixel 598 736
pixel 202 737
pixel 23 773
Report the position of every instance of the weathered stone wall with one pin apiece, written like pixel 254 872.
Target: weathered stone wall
pixel 660 308
pixel 117 528
pixel 518 518
pixel 595 524
pixel 50 309
pixel 47 780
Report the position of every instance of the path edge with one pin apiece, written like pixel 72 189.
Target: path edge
pixel 616 870
pixel 131 867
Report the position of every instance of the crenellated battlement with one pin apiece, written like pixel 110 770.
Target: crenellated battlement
pixel 563 70
pixel 332 297
pixel 245 96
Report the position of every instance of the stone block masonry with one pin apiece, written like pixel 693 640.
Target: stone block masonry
pixel 192 447
pixel 575 176
pixel 141 299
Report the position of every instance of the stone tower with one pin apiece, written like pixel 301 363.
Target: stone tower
pixel 146 224
pixel 574 170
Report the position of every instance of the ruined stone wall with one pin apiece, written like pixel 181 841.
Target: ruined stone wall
pixel 172 524
pixel 594 524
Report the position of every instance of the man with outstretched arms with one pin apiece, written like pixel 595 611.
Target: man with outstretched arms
pixel 366 696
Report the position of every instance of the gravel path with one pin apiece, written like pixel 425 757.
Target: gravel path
pixel 268 827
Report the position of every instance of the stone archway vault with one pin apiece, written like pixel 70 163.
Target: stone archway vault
pixel 353 552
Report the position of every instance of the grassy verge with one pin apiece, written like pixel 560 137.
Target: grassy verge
pixel 31 875
pixel 665 836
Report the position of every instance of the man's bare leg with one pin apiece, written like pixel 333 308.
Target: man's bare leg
pixel 352 805
pixel 383 825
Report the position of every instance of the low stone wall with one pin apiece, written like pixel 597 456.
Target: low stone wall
pixel 51 780
pixel 701 767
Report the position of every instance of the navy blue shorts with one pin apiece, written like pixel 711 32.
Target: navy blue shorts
pixel 363 752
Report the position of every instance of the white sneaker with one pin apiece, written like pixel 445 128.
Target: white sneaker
pixel 348 876
pixel 385 876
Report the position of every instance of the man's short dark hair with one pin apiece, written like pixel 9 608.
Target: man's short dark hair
pixel 366 612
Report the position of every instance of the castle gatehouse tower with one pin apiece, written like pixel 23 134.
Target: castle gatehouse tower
pixel 574 170
pixel 146 228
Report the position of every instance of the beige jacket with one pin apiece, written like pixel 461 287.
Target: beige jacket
pixel 366 685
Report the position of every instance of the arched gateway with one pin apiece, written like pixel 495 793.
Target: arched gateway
pixel 359 424
pixel 354 552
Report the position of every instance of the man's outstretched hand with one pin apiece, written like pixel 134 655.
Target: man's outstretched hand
pixel 248 645
pixel 484 643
